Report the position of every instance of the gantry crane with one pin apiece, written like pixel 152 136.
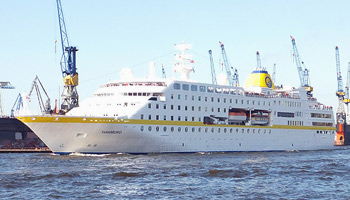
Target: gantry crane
pixel 213 74
pixel 227 66
pixel 70 98
pixel 235 79
pixel 4 85
pixel 302 71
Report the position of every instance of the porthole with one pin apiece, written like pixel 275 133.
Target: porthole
pixel 199 129
pixel 242 130
pixel 150 128
pixel 179 129
pixel 269 131
pixel 142 128
pixel 193 129
pixel 157 128
pixel 164 129
pixel 259 131
pixel 253 130
pixel 212 130
pixel 206 130
pixel 225 130
pixel 172 129
pixel 186 129
pixel 236 130
pixel 264 131
pixel 248 130
pixel 231 130
pixel 219 130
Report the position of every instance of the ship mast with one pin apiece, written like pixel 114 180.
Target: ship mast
pixel 183 63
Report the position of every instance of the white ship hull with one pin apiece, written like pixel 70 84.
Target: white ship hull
pixel 106 135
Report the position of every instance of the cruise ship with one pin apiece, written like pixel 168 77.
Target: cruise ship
pixel 168 115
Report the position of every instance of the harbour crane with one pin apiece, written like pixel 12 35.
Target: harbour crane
pixel 302 71
pixel 213 74
pixel 4 85
pixel 45 108
pixel 235 79
pixel 227 66
pixel 70 97
pixel 274 73
pixel 346 98
pixel 258 60
pixel 340 92
pixel 163 72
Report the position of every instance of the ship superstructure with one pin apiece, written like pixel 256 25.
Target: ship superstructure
pixel 169 115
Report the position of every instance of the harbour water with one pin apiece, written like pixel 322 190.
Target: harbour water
pixel 258 175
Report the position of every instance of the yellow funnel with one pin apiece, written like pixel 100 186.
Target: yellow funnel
pixel 259 78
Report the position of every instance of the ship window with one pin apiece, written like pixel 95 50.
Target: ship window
pixel 134 94
pixel 285 114
pixel 248 130
pixel 172 118
pixel 149 117
pixel 253 130
pixel 142 128
pixel 218 109
pixel 231 130
pixel 157 117
pixel 218 90
pixel 179 118
pixel 193 119
pixel 224 110
pixel 185 87
pixel 192 108
pixel 178 96
pixel 199 129
pixel 210 89
pixel 194 88
pixel 225 130
pixel 230 100
pixel 242 130
pixel 172 129
pixel 179 107
pixel 164 106
pixel 212 99
pixel 199 119
pixel 172 96
pixel 192 98
pixel 149 105
pixel 172 107
pixel 219 130
pixel 269 131
pixel 202 88
pixel 236 130
pixel 212 130
pixel 139 94
pixel 199 108
pixel 226 90
pixel 219 100
pixel 186 129
pixel 164 129
pixel 236 101
pixel 179 129
pixel 206 130
pixel 248 102
pixel 185 97
pixel 157 128
pixel 199 98
pixel 224 100
pixel 157 106
pixel 186 118
pixel 253 102
pixel 176 86
pixel 150 128
pixel 185 107
pixel 206 98
pixel 164 117
pixel 141 116
pixel 212 109
pixel 242 101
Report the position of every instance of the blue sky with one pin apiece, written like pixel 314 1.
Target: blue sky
pixel 113 34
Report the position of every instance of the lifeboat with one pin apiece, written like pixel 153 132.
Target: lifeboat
pixel 237 116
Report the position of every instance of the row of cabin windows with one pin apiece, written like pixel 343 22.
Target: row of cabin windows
pixel 186 108
pixel 172 118
pixel 201 88
pixel 322 124
pixel 296 123
pixel 248 102
pixel 321 115
pixel 207 129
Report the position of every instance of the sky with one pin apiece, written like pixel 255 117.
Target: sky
pixel 114 34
